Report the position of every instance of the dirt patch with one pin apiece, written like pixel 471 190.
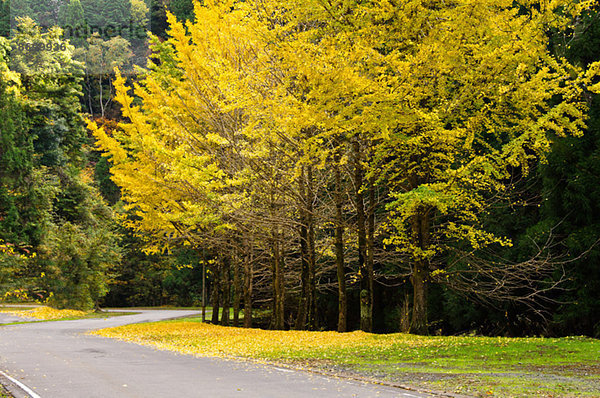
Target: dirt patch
pixel 580 370
pixel 561 381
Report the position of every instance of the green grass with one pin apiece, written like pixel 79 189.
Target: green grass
pixel 489 366
pixel 484 366
pixel 481 366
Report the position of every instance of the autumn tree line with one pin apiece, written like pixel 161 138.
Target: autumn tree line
pixel 423 167
pixel 59 237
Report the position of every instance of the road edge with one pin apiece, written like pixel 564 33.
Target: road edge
pixel 16 388
pixel 356 378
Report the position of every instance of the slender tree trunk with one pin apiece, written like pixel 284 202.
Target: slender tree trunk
pixel 215 299
pixel 419 315
pixel 226 291
pixel 405 314
pixel 303 301
pixel 89 94
pixel 371 251
pixel 236 292
pixel 339 252
pixel 101 98
pixel 203 286
pixel 278 286
pixel 312 288
pixel 365 304
pixel 110 96
pixel 304 272
pixel 248 275
pixel 420 275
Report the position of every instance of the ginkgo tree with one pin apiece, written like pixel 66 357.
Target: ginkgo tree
pixel 461 95
pixel 435 106
pixel 201 154
pixel 454 98
pixel 179 159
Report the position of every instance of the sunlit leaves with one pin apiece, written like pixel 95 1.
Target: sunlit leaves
pixel 47 313
pixel 356 347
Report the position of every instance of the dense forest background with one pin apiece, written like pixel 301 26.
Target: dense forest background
pixel 68 237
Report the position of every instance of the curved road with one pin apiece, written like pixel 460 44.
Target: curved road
pixel 58 360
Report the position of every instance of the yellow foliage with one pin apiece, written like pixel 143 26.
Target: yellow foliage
pixel 210 340
pixel 447 99
pixel 47 313
pixel 9 250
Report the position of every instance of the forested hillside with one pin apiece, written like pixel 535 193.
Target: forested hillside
pixel 415 166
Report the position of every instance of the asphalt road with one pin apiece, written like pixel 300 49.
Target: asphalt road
pixel 58 360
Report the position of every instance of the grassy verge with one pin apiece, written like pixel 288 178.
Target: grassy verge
pixel 50 314
pixel 159 307
pixel 4 393
pixel 503 367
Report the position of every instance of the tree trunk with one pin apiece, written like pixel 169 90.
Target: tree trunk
pixel 405 314
pixel 304 272
pixel 419 315
pixel 203 289
pixel 226 289
pixel 420 274
pixel 248 274
pixel 101 98
pixel 278 321
pixel 371 251
pixel 365 315
pixel 89 94
pixel 312 287
pixel 215 299
pixel 236 292
pixel 339 252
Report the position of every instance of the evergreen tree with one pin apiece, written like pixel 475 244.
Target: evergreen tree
pixel 183 9
pixel 16 152
pixel 158 19
pixel 45 12
pixel 46 200
pixel 4 18
pixel 72 20
pixel 19 8
pixel 80 245
pixel 571 195
pixel 103 14
pixel 52 82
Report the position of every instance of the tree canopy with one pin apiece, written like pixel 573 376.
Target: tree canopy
pixel 374 164
pixel 440 134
